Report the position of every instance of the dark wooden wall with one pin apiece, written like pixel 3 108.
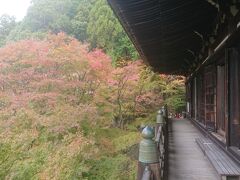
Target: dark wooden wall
pixel 234 96
pixel 217 96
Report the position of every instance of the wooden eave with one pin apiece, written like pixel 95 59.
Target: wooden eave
pixel 168 34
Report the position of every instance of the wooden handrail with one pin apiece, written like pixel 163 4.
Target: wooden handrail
pixel 157 170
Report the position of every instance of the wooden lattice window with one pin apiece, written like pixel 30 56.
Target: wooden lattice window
pixel 210 96
pixel 200 98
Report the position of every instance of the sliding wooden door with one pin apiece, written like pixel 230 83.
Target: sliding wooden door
pixel 210 97
pixel 234 97
pixel 200 98
pixel 221 96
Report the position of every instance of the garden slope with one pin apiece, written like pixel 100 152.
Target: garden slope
pixel 50 124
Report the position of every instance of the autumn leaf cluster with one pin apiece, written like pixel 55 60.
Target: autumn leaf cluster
pixel 65 110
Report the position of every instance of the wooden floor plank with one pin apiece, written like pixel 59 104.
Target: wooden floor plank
pixel 224 165
pixel 228 164
pixel 226 161
pixel 217 163
pixel 186 160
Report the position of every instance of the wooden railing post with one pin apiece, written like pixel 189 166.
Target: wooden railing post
pixel 165 129
pixel 148 164
pixel 160 139
pixel 153 155
pixel 165 111
pixel 160 120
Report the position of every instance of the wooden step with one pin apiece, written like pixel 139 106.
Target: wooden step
pixel 223 164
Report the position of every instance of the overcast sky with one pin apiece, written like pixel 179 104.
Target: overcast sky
pixel 17 8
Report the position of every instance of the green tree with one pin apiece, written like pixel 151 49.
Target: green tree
pixel 54 15
pixel 46 16
pixel 43 16
pixel 86 20
pixel 81 19
pixel 174 93
pixel 7 23
pixel 21 31
pixel 104 31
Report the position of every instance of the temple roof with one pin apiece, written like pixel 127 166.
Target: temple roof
pixel 168 34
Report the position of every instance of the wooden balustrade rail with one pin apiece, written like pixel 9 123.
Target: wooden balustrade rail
pixel 157 171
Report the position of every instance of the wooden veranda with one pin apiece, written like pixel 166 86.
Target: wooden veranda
pixel 199 39
pixel 186 160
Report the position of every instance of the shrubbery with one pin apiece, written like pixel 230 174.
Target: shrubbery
pixel 67 113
